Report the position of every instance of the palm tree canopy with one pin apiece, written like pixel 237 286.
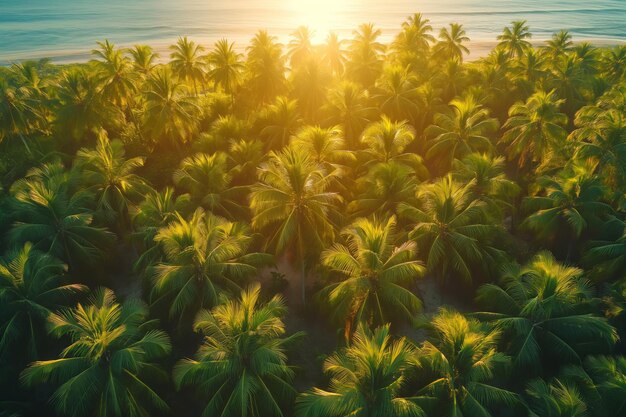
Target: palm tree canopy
pixel 241 366
pixel 108 367
pixel 367 378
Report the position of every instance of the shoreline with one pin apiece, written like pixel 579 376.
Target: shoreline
pixel 478 49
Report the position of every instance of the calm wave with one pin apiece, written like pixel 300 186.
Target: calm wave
pixel 66 30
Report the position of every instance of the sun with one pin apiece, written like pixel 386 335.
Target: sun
pixel 321 16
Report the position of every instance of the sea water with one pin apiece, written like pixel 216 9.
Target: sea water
pixel 66 30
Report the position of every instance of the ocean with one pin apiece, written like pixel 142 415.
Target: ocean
pixel 66 30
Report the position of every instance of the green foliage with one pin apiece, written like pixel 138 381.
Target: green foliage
pixel 241 367
pixel 367 378
pixel 109 366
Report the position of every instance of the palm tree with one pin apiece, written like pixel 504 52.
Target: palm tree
pixel 111 177
pixel 281 120
pixel 300 47
pixel 559 44
pixel 207 179
pixel 156 211
pixel 557 398
pixel 81 105
pixel 412 44
pixel 169 113
pixel 535 129
pixel 292 201
pixel 387 141
pixel 464 131
pixel 452 228
pixel 326 145
pixel 266 67
pixel 204 257
pixel 109 366
pixel 607 258
pixel 187 63
pixel 383 189
pixel 348 106
pixel 32 285
pixel 310 81
pixel 143 59
pixel 570 202
pixel 398 95
pixel 116 74
pixel 17 112
pixel 377 274
pixel 241 367
pixel 365 54
pixel 542 309
pixel 450 44
pixel 55 219
pixel 463 358
pixel 601 137
pixel 225 66
pixel 613 62
pixel 333 54
pixel 367 379
pixel 490 183
pixel 514 39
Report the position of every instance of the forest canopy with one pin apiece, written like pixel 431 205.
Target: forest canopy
pixel 352 228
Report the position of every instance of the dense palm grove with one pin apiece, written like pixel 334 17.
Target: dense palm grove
pixel 159 214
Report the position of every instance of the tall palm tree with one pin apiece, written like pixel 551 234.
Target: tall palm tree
pixel 414 40
pixel 18 113
pixel 535 129
pixel 463 357
pixel 111 177
pixel 367 379
pixel 300 47
pixel 56 219
pixel 32 285
pixel 450 44
pixel 383 189
pixel 204 257
pixel 187 63
pixel 169 112
pixel 490 183
pixel 557 398
pixel 326 145
pixel 81 105
pixel 571 202
pixel 387 141
pixel 464 131
pixel 156 211
pixel 144 59
pixel 226 66
pixel 109 366
pixel 365 54
pixel 281 119
pixel 266 67
pixel 559 44
pixel 241 367
pixel 333 53
pixel 207 179
pixel 452 228
pixel 602 138
pixel 292 201
pixel 117 77
pixel 541 308
pixel 398 95
pixel 375 272
pixel 310 81
pixel 514 39
pixel 607 258
pixel 348 106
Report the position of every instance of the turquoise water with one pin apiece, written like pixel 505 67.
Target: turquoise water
pixel 67 29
